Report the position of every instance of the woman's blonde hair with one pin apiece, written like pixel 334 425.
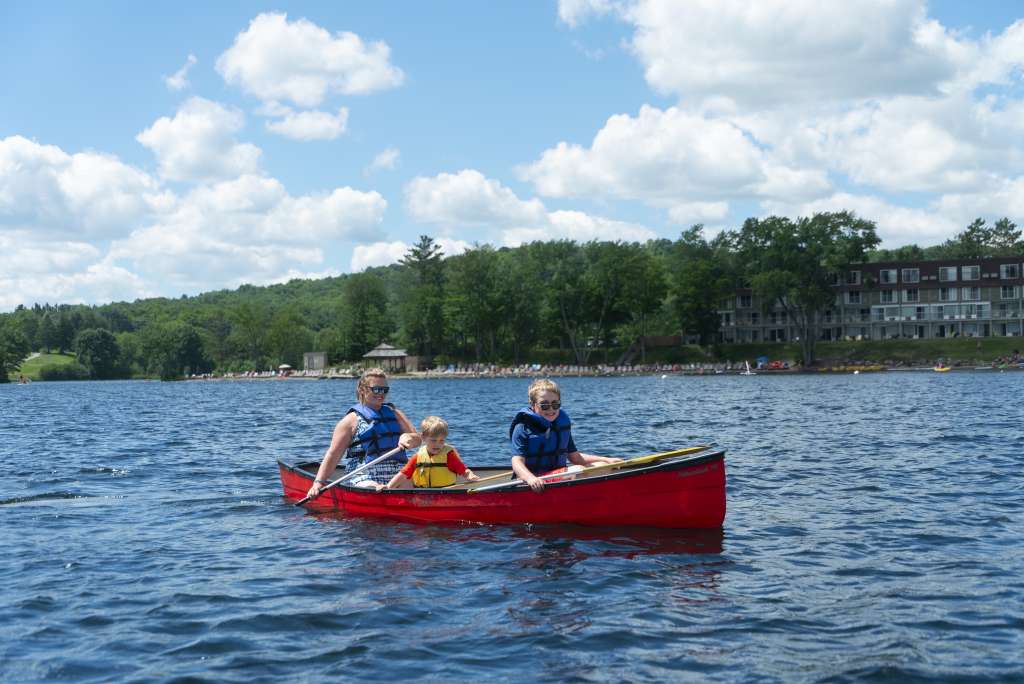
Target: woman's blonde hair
pixel 434 426
pixel 364 382
pixel 542 385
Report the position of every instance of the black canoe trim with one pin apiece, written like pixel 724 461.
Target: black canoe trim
pixel 668 464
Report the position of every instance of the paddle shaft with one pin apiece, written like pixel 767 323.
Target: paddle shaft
pixel 599 466
pixel 349 476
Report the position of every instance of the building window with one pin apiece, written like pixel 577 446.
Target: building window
pixel 853 277
pixel 947 274
pixel 865 315
pixel 853 297
pixel 971 294
pixel 1007 292
pixel 911 295
pixel 911 275
pixel 971 272
pixel 755 318
pixel 887 296
pixel 743 301
pixel 887 276
pixel 1008 271
pixel 947 294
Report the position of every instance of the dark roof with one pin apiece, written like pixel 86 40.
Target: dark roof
pixel 384 351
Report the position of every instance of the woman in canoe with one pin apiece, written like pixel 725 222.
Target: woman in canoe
pixel 542 437
pixel 370 428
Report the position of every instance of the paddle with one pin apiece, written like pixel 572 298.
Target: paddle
pixel 483 479
pixel 349 476
pixel 599 466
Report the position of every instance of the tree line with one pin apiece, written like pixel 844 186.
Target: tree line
pixel 504 305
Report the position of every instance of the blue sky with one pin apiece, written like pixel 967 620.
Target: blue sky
pixel 178 148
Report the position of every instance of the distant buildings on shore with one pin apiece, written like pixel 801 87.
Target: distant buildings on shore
pixel 898 299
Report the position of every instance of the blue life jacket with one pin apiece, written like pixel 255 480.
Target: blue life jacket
pixel 547 443
pixel 379 435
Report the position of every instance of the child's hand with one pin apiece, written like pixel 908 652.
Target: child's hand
pixel 380 487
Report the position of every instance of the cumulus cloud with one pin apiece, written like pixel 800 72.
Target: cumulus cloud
pixel 179 81
pixel 385 160
pixel 198 144
pixel 85 195
pixel 666 158
pixel 298 61
pixel 781 51
pixel 468 199
pixel 310 125
pixel 377 254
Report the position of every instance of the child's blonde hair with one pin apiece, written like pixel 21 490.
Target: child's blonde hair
pixel 434 426
pixel 542 385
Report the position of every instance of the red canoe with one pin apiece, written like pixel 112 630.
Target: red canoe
pixel 684 491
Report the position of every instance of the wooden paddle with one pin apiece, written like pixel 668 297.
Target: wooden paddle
pixel 482 479
pixel 599 466
pixel 349 476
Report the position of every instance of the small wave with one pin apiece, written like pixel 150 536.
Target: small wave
pixel 41 497
pixel 100 470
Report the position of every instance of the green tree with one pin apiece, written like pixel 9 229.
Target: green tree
pixel 793 264
pixel 249 331
pixel 173 350
pixel 702 276
pixel 364 318
pixel 643 292
pixel 472 301
pixel 422 301
pixel 98 352
pixel 288 339
pixel 47 333
pixel 13 349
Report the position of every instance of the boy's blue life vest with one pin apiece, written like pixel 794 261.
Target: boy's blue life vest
pixel 377 433
pixel 547 443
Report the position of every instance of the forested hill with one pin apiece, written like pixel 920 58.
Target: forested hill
pixel 493 305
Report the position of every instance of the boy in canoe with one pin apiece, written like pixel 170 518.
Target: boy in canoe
pixel 542 437
pixel 436 464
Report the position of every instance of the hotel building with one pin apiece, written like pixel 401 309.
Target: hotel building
pixel 887 300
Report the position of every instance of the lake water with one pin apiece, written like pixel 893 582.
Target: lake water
pixel 874 533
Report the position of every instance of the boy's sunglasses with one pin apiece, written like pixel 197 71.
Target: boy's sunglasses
pixel 545 405
pixel 380 390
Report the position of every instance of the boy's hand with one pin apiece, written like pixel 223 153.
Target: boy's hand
pixel 380 487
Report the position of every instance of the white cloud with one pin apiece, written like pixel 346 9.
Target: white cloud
pixel 578 226
pixel 385 160
pixel 198 143
pixel 467 198
pixel 575 12
pixel 84 195
pixel 666 158
pixel 688 213
pixel 897 225
pixel 311 125
pixel 275 59
pixel 377 254
pixel 776 52
pixel 179 81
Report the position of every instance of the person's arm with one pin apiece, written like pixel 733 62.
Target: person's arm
pixel 340 440
pixel 410 438
pixel 456 465
pixel 524 474
pixel 579 458
pixel 399 481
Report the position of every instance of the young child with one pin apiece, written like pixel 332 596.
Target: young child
pixel 435 464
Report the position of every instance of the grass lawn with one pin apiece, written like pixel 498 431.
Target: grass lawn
pixel 30 369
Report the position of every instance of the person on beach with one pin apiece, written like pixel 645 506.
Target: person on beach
pixel 436 464
pixel 541 436
pixel 370 428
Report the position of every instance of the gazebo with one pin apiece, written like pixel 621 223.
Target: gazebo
pixel 387 357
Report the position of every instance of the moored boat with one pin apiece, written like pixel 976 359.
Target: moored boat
pixel 676 490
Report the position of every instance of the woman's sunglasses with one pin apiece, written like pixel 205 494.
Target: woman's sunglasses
pixel 380 390
pixel 545 405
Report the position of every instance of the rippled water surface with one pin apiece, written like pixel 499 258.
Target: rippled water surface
pixel 873 534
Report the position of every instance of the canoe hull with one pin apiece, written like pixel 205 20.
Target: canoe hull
pixel 679 493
